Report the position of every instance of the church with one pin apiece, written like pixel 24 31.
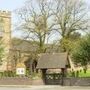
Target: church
pixel 15 50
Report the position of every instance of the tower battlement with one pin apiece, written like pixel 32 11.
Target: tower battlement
pixel 5 14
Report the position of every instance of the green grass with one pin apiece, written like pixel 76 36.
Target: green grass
pixel 82 74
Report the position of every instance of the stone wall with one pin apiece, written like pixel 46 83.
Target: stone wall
pixel 20 81
pixel 28 81
pixel 15 81
pixel 77 81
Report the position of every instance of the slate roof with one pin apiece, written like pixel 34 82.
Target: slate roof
pixel 23 45
pixel 30 46
pixel 52 61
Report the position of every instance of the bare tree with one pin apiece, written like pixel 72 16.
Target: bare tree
pixel 70 16
pixel 41 17
pixel 36 18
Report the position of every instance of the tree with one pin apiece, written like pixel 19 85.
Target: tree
pixel 81 53
pixel 35 22
pixel 67 44
pixel 40 18
pixel 70 17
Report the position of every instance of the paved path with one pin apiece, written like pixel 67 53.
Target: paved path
pixel 44 88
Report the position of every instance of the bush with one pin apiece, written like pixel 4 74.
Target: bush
pixel 7 74
pixel 81 53
pixel 27 72
pixel 36 75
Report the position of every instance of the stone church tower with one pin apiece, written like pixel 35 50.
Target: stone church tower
pixel 5 35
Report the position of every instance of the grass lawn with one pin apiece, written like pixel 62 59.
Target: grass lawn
pixel 82 74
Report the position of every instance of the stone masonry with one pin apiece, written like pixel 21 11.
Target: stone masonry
pixel 5 17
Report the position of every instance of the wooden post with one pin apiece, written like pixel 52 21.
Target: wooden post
pixel 62 79
pixel 44 75
pixel 31 67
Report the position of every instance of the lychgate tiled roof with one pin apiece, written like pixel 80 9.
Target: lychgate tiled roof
pixel 52 61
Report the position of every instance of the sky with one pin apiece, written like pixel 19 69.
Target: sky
pixel 12 5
